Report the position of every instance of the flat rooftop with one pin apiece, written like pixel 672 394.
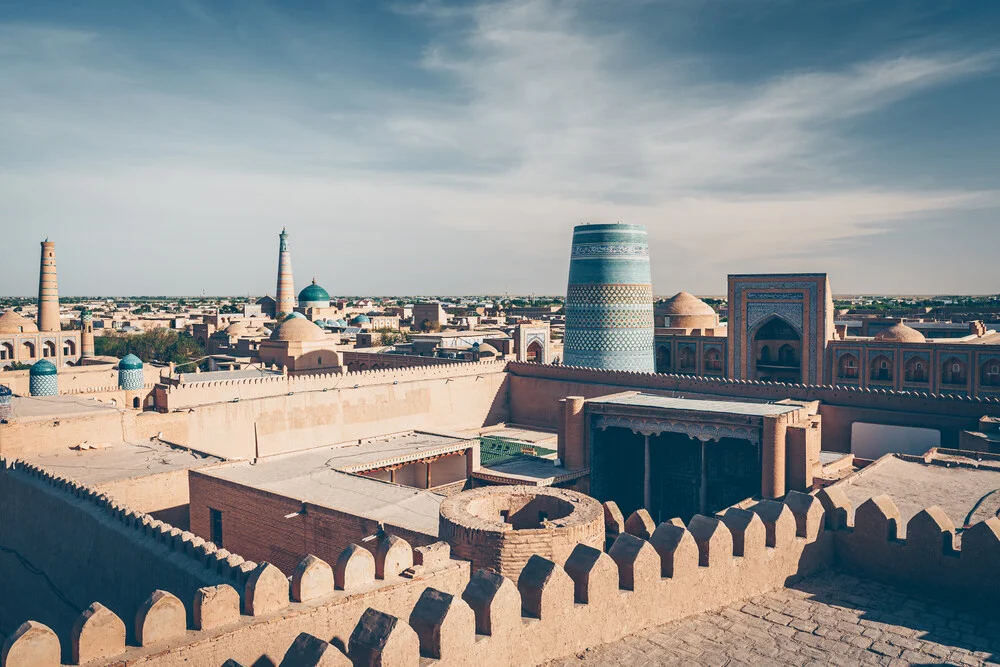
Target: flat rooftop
pixel 380 452
pixel 120 461
pixel 914 485
pixel 529 471
pixel 307 477
pixel 45 407
pixel 697 405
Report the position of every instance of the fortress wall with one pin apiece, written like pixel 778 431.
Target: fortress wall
pixel 254 524
pixel 92 548
pixel 536 389
pixel 78 379
pixel 927 559
pixel 316 411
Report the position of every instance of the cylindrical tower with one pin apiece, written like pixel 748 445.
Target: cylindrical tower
pixel 131 380
pixel 87 337
pixel 609 301
pixel 48 290
pixel 285 297
pixel 5 407
pixel 43 379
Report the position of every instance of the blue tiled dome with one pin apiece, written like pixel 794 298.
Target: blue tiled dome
pixel 43 367
pixel 130 362
pixel 360 319
pixel 314 294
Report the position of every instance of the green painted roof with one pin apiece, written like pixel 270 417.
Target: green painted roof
pixel 43 367
pixel 130 362
pixel 313 293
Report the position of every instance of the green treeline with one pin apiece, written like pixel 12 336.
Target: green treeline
pixel 161 345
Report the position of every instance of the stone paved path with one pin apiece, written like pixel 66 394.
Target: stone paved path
pixel 831 619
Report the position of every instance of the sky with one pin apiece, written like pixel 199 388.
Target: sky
pixel 450 147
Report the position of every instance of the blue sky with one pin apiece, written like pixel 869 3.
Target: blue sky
pixel 450 147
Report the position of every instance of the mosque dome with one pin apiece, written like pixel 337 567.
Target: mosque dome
pixel 487 350
pixel 15 323
pixel 314 295
pixel 900 333
pixel 292 316
pixel 358 320
pixel 686 311
pixel 130 362
pixel 297 330
pixel 341 322
pixel 236 329
pixel 43 367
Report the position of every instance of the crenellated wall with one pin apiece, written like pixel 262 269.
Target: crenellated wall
pixel 535 391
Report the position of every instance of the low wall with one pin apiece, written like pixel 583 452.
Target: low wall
pixel 254 524
pixel 535 391
pixel 91 548
pixel 79 379
pixel 163 496
pixel 244 419
pixel 354 361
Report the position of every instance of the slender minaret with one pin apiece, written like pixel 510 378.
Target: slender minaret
pixel 285 297
pixel 48 290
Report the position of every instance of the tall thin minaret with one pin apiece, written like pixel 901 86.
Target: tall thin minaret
pixel 285 296
pixel 48 290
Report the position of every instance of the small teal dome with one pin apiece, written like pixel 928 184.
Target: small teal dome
pixel 292 316
pixel 341 322
pixel 43 367
pixel 360 319
pixel 5 391
pixel 130 362
pixel 313 294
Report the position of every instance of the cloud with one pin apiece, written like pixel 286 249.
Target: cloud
pixel 528 116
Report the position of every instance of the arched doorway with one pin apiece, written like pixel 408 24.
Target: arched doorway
pixel 685 358
pixel 953 371
pixel 713 361
pixel 847 367
pixel 880 369
pixel 990 373
pixel 533 355
pixel 662 358
pixel 915 370
pixel 777 350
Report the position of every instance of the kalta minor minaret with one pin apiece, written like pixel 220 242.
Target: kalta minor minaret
pixel 285 296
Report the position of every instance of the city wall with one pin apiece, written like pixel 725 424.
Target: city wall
pixel 536 389
pixel 402 605
pixel 79 379
pixel 91 547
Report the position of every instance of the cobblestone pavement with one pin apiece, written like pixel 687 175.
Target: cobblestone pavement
pixel 830 619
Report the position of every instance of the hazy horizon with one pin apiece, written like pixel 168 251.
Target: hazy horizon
pixel 444 147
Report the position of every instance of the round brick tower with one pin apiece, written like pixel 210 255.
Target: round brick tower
pixel 5 405
pixel 87 337
pixel 609 301
pixel 48 290
pixel 285 296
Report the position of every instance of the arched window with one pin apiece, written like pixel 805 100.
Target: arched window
pixel 662 358
pixel 6 351
pixel 686 358
pixel 713 360
pixel 990 373
pixel 48 349
pixel 27 350
pixel 881 369
pixel 847 367
pixel 914 370
pixel 765 354
pixel 953 371
pixel 69 347
pixel 786 355
pixel 135 402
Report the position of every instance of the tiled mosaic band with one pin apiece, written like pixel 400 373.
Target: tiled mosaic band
pixel 609 301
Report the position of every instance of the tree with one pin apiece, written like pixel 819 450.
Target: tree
pixel 18 366
pixel 162 345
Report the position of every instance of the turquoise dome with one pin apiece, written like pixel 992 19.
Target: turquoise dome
pixel 130 362
pixel 341 322
pixel 292 316
pixel 313 294
pixel 43 367
pixel 360 319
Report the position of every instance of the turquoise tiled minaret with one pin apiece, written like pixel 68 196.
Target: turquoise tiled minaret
pixel 609 302
pixel 5 406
